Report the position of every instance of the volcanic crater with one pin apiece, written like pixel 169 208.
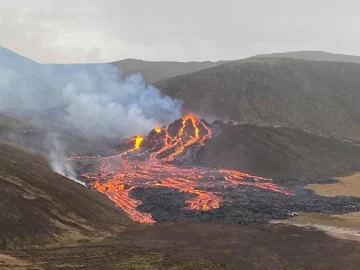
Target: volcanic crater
pixel 155 178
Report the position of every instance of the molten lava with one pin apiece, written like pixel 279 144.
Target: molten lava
pixel 118 175
pixel 138 141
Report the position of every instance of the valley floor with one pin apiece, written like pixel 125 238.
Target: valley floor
pixel 346 226
pixel 199 246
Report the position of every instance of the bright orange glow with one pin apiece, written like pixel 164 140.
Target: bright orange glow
pixel 118 175
pixel 138 141
pixel 157 129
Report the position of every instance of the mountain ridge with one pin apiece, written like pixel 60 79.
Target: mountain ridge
pixel 314 56
pixel 318 97
pixel 153 71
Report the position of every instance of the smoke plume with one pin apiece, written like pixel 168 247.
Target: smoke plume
pixel 90 99
pixel 57 158
pixel 93 97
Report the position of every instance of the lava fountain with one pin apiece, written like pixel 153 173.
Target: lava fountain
pixel 150 162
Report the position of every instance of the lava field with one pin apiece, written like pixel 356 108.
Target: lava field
pixel 153 179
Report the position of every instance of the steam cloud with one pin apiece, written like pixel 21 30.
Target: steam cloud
pixel 89 98
pixel 94 98
pixel 57 158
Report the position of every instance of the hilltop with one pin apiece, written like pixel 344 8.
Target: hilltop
pixel 318 97
pixel 315 56
pixel 156 71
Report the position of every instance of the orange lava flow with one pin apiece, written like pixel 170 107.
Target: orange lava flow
pixel 118 175
pixel 138 141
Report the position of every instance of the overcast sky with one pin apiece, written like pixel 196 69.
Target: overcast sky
pixel 61 31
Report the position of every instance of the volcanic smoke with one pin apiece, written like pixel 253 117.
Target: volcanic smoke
pixel 91 100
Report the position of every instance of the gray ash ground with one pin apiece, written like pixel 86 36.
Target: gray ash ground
pixel 246 205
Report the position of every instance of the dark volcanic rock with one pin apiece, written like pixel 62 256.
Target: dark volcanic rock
pixel 172 199
pixel 245 204
pixel 265 151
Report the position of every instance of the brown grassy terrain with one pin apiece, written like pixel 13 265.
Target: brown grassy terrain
pixel 9 262
pixel 278 152
pixel 203 246
pixel 320 97
pixel 350 221
pixel 345 226
pixel 39 207
pixel 348 186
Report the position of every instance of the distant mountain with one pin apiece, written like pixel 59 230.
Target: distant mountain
pixel 39 207
pixel 315 56
pixel 320 97
pixel 157 71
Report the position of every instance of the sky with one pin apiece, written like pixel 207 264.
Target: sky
pixel 73 31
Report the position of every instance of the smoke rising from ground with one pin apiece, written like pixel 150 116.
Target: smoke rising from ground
pixel 91 98
pixel 87 99
pixel 57 158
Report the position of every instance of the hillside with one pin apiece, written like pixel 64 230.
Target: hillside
pixel 278 152
pixel 8 122
pixel 41 207
pixel 320 97
pixel 157 71
pixel 24 134
pixel 315 56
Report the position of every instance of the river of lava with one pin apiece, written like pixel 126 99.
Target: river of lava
pixel 117 175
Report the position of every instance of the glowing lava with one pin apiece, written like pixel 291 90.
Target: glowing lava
pixel 157 129
pixel 138 141
pixel 118 175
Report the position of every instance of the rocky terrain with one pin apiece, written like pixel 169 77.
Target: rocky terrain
pixel 318 97
pixel 243 199
pixel 245 205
